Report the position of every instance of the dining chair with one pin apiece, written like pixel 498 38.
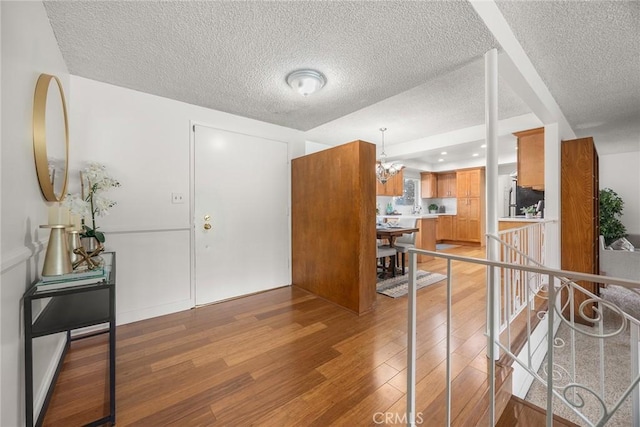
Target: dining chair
pixel 405 242
pixel 384 252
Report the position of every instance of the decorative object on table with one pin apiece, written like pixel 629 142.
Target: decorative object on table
pixel 399 286
pixel 384 169
pixel 529 211
pixel 389 208
pixel 74 243
pixel 72 279
pixel 433 208
pixel 73 235
pixel 91 259
pixel 50 137
pixel 94 181
pixel 57 259
pixel 611 205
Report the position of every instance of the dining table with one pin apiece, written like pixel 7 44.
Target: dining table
pixel 390 233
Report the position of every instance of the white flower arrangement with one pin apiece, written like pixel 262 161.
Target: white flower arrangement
pixel 95 180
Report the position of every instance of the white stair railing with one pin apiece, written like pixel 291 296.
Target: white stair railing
pixel 523 246
pixel 572 392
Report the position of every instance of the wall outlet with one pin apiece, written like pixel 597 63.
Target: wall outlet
pixel 177 198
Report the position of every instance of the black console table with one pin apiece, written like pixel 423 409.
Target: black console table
pixel 71 308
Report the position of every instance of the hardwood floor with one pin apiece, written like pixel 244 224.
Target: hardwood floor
pixel 285 358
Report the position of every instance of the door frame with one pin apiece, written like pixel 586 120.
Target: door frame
pixel 192 201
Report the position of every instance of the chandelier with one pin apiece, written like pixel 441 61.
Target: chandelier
pixel 384 169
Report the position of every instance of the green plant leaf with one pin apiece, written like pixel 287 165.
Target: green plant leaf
pixel 99 235
pixel 611 205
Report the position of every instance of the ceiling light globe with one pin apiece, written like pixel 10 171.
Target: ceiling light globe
pixel 306 82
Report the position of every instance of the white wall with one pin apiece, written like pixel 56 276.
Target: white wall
pixel 314 147
pixel 28 49
pixel 144 141
pixel 620 173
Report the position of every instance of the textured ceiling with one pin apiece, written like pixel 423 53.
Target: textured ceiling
pixel 234 56
pixel 588 54
pixel 413 67
pixel 445 103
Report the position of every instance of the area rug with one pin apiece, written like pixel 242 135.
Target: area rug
pixel 399 286
pixel 442 246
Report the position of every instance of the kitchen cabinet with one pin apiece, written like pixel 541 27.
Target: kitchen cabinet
pixel 444 228
pixel 426 237
pixel 469 223
pixel 468 182
pixel 531 158
pixel 393 187
pixel 428 185
pixel 579 218
pixel 446 184
pixel 468 217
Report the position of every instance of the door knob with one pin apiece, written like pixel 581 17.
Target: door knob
pixel 207 217
pixel 207 226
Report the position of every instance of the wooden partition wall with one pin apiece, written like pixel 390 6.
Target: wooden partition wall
pixel 580 216
pixel 333 224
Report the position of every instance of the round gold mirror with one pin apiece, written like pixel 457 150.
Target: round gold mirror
pixel 51 137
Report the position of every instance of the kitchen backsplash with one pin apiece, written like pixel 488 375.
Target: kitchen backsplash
pixel 448 203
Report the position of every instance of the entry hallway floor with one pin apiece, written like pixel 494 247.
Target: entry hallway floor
pixel 284 358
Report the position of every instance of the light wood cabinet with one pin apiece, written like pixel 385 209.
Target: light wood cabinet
pixel 531 158
pixel 469 223
pixel 446 184
pixel 393 187
pixel 426 237
pixel 579 219
pixel 428 185
pixel 444 228
pixel 468 217
pixel 468 182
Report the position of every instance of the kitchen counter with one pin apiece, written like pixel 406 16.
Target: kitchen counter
pixel 411 216
pixel 519 218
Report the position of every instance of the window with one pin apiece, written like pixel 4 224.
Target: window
pixel 409 193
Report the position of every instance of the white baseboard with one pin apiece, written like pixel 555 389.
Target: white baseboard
pixel 123 318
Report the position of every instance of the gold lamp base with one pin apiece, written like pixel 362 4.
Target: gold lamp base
pixel 57 260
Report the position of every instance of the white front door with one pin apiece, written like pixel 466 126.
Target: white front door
pixel 240 208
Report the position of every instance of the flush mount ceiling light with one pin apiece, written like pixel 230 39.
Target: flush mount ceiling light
pixel 384 169
pixel 306 82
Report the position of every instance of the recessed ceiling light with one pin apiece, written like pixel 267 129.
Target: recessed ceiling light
pixel 475 154
pixel 483 146
pixel 441 160
pixel 306 82
pixel 444 153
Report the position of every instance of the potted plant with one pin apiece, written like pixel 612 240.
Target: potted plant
pixel 611 205
pixel 433 208
pixel 528 211
pixel 91 203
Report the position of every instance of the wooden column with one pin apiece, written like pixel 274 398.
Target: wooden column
pixel 580 214
pixel 333 224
